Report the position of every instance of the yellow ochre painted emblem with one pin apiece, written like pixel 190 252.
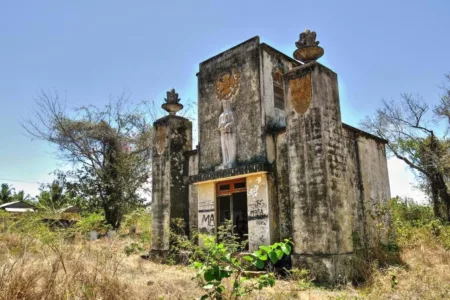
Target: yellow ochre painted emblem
pixel 227 85
pixel 301 92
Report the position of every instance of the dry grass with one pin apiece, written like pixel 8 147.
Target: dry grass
pixel 101 270
pixel 94 270
pixel 425 276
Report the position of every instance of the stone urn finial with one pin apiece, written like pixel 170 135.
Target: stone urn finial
pixel 172 105
pixel 308 47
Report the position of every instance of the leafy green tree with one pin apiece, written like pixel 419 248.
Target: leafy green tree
pixel 54 196
pixel 412 135
pixel 21 196
pixel 6 193
pixel 110 149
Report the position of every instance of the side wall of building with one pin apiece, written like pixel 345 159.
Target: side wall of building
pixel 376 190
pixel 368 187
pixel 354 189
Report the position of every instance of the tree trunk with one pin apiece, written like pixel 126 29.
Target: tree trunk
pixel 440 197
pixel 113 216
pixel 444 195
pixel 435 200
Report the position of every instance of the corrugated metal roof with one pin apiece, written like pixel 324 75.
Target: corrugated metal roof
pixel 8 204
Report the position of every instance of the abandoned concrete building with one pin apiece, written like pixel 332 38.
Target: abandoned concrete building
pixel 274 157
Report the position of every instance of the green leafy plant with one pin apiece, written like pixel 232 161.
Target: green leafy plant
pixel 272 253
pixel 222 264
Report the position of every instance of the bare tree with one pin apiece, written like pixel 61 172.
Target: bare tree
pixel 412 138
pixel 110 149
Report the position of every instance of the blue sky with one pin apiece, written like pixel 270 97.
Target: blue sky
pixel 91 50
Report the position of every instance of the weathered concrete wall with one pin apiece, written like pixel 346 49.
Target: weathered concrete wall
pixel 207 208
pixel 368 186
pixel 258 211
pixel 193 191
pixel 354 189
pixel 375 181
pixel 243 59
pixel 282 181
pixel 273 60
pixel 169 192
pixel 321 226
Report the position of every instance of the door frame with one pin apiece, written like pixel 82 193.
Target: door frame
pixel 228 188
pixel 222 190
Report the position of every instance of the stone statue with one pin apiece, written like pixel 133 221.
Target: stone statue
pixel 227 128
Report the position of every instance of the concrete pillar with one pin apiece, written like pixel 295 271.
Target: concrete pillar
pixel 170 195
pixel 321 215
pixel 258 211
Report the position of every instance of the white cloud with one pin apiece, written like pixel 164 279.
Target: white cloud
pixel 402 181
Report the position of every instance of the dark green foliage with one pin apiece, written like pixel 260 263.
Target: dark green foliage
pixel 6 193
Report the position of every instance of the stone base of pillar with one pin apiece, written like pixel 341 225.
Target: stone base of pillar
pixel 328 268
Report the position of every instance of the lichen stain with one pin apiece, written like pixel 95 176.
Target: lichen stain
pixel 160 139
pixel 301 93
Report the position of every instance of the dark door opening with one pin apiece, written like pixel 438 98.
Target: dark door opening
pixel 232 205
pixel 240 221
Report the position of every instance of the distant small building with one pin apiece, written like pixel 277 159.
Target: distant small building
pixel 73 209
pixel 17 207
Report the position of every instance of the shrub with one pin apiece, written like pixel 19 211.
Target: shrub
pixel 93 222
pixel 416 225
pixel 221 263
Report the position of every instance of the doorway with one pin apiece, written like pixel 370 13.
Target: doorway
pixel 232 205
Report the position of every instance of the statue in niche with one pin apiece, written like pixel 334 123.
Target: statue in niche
pixel 227 128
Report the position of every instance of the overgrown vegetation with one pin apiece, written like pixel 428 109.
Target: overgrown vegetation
pixel 416 225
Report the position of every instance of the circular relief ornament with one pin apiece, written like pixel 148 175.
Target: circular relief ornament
pixel 227 85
